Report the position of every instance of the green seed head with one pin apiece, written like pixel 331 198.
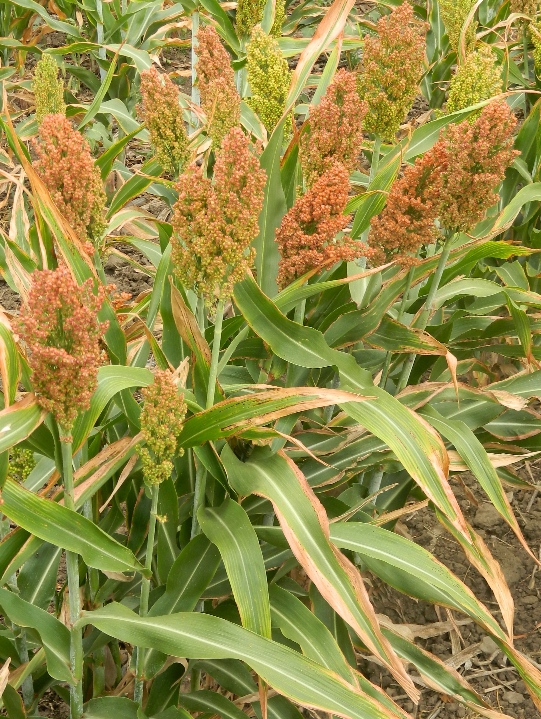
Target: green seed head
pixel 48 89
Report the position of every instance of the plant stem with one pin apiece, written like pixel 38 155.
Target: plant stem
pixel 213 373
pixel 27 687
pixel 99 31
pixel 98 655
pixel 72 565
pixel 389 356
pixel 375 481
pixel 427 309
pixel 300 309
pixel 526 63
pixel 195 89
pixel 145 591
pixel 201 474
pixel 198 497
pixel 375 157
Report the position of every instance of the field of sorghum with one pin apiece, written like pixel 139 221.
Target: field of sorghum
pixel 332 211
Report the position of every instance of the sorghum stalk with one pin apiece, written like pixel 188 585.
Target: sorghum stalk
pixel 376 150
pixel 99 31
pixel 72 566
pixel 215 353
pixel 145 592
pixel 98 655
pixel 201 477
pixel 389 356
pixel 427 309
pixel 162 419
pixel 196 99
pixel 27 687
pixel 525 44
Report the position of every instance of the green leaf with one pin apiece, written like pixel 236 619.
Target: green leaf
pixel 207 701
pixel 60 526
pixel 270 217
pixel 54 635
pixel 105 161
pixel 10 366
pixel 37 578
pixel 224 25
pixel 415 444
pixel 134 186
pixel 13 703
pixel 305 525
pixel 117 707
pixel 240 414
pixel 188 578
pixel 231 674
pixel 112 379
pixel 63 27
pixel 229 528
pixel 207 637
pixel 96 103
pixel 373 200
pixel 18 421
pixel 328 30
pixel 474 455
pixel 411 569
pixel 299 624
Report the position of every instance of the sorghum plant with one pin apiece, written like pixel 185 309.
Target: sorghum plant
pixel 163 117
pixel 215 221
pixel 216 81
pixel 59 326
pixel 66 167
pixel 408 221
pixel 392 66
pixel 478 155
pixel 61 330
pixel 478 78
pixel 334 129
pixel 225 554
pixel 269 78
pixel 249 14
pixel 162 420
pixel 454 14
pixel 48 88
pixel 307 237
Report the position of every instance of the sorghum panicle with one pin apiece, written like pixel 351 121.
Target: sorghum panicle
pixel 479 78
pixel 392 66
pixel 478 155
pixel 48 89
pixel 216 81
pixel 536 40
pixel 307 236
pixel 66 167
pixel 408 220
pixel 163 117
pixel 269 77
pixel 60 327
pixel 249 14
pixel 215 222
pixel 162 419
pixel 334 131
pixel 21 463
pixel 279 18
pixel 454 14
pixel 526 7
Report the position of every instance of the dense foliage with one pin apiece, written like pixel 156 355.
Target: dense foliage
pixel 342 316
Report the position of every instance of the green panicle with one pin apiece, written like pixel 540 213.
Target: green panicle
pixel 478 79
pixel 48 89
pixel 454 14
pixel 269 77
